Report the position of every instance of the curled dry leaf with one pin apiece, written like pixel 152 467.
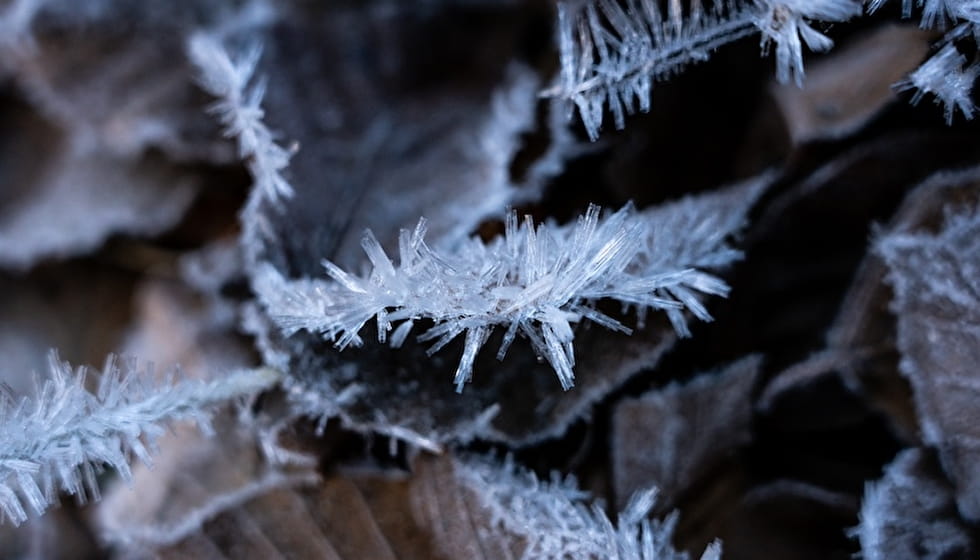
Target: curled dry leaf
pixel 859 345
pixel 80 200
pixel 864 334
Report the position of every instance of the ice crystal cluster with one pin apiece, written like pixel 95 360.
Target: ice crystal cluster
pixel 947 75
pixel 612 52
pixel 59 440
pixel 534 280
pixel 239 108
pixel 557 522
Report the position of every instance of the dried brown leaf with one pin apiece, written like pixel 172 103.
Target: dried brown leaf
pixel 860 344
pixel 427 514
pixel 194 479
pixel 853 84
pixel 673 437
pixel 76 200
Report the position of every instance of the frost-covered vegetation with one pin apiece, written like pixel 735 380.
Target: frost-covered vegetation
pixel 325 212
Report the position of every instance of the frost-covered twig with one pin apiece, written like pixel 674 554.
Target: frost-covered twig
pixel 557 521
pixel 239 109
pixel 611 52
pixel 537 281
pixel 58 440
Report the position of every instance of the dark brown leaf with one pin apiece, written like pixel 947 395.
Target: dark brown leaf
pixel 427 514
pixel 673 437
pixel 409 395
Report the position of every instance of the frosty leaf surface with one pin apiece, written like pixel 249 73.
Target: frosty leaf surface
pixel 79 200
pixel 937 301
pixel 910 513
pixel 375 155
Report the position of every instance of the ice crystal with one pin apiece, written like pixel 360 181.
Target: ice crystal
pixel 946 76
pixel 60 439
pixel 937 12
pixel 535 280
pixel 784 22
pixel 611 53
pixel 557 520
pixel 239 107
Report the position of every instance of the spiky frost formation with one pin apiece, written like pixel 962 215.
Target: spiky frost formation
pixel 558 521
pixel 612 52
pixel 62 437
pixel 785 23
pixel 946 76
pixel 936 13
pixel 537 281
pixel 239 107
pixel 908 513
